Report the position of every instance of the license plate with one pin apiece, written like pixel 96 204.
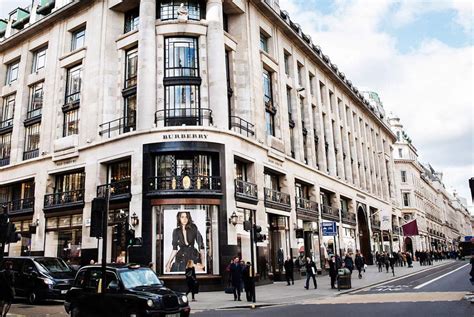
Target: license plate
pixel 173 315
pixel 63 292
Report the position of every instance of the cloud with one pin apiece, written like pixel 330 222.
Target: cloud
pixel 428 87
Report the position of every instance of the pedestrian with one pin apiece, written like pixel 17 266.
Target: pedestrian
pixel 249 284
pixel 379 259
pixel 392 259
pixel 150 266
pixel 191 281
pixel 348 262
pixel 236 278
pixel 289 271
pixel 310 273
pixel 359 263
pixel 7 288
pixel 471 273
pixel 332 271
pixel 409 259
pixel 386 261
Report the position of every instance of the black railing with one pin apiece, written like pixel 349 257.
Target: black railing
pixel 64 199
pixel 274 198
pixel 181 72
pixel 73 98
pixel 246 190
pixel 329 212
pixel 33 113
pixel 184 116
pixel 348 217
pixel 130 82
pixel 122 125
pixel 118 188
pixel 6 123
pixel 242 126
pixel 20 205
pixel 194 183
pixel 27 155
pixel 306 204
pixel 4 161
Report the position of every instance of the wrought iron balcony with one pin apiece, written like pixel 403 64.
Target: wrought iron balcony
pixel 375 223
pixel 20 206
pixel 34 112
pixel 71 100
pixel 27 155
pixel 246 192
pixel 118 190
pixel 277 200
pixel 6 124
pixel 307 208
pixel 121 125
pixel 184 116
pixel 187 183
pixel 242 126
pixel 329 212
pixel 348 217
pixel 74 198
pixel 130 82
pixel 4 161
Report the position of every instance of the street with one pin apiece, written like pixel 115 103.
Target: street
pixel 439 288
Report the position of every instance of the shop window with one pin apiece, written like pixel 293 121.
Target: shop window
pixel 64 238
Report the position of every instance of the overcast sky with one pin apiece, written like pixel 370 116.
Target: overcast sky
pixel 417 54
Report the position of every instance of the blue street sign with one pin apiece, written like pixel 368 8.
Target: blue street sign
pixel 329 228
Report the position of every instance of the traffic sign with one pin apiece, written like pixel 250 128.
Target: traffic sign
pixel 329 228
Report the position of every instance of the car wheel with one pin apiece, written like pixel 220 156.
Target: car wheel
pixel 32 298
pixel 75 312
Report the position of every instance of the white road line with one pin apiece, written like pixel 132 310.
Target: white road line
pixel 439 277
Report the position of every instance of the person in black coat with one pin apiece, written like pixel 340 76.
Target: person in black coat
pixel 348 262
pixel 471 273
pixel 249 283
pixel 7 288
pixel 333 271
pixel 191 280
pixel 359 263
pixel 236 277
pixel 289 271
pixel 310 273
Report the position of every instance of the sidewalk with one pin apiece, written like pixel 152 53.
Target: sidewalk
pixel 279 293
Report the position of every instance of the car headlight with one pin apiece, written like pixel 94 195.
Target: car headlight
pixel 150 303
pixel 184 298
pixel 48 281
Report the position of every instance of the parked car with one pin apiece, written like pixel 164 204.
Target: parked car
pixel 131 291
pixel 40 278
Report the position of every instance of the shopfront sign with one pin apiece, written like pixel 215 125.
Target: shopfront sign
pixel 329 228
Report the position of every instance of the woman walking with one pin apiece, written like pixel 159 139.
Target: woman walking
pixel 191 280
pixel 7 288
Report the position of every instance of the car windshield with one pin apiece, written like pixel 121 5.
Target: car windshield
pixel 52 265
pixel 139 277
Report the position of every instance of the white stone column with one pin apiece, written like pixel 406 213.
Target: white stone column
pixel 216 64
pixel 146 87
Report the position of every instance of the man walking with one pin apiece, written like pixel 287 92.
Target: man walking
pixel 7 288
pixel 289 271
pixel 359 263
pixel 310 273
pixel 236 277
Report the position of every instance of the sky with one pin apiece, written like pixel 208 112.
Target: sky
pixel 416 54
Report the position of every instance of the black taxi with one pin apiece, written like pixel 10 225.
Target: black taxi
pixel 131 291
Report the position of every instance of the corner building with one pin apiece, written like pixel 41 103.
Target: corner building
pixel 220 109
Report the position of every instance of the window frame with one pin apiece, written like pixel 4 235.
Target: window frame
pixel 8 107
pixel 71 126
pixel 194 113
pixel 12 67
pixel 131 61
pixel 172 51
pixel 37 54
pixel 73 96
pixel 32 131
pixel 195 9
pixel 264 42
pixel 32 110
pixel 131 20
pixel 78 38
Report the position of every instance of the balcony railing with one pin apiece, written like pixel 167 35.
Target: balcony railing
pixel 306 208
pixel 118 189
pixel 20 205
pixel 246 191
pixel 121 125
pixel 242 126
pixel 329 212
pixel 375 223
pixel 277 200
pixel 64 199
pixel 6 124
pixel 4 161
pixel 33 113
pixel 184 116
pixel 72 99
pixel 348 217
pixel 130 82
pixel 187 183
pixel 27 155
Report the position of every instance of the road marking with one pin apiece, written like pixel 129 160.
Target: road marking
pixel 390 298
pixel 439 277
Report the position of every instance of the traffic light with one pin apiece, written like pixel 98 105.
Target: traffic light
pixel 98 208
pixel 257 236
pixel 117 233
pixel 130 237
pixel 247 225
pixel 13 235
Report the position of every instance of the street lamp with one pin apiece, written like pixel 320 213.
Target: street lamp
pixel 233 219
pixel 134 220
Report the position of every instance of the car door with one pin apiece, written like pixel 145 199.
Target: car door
pixel 28 277
pixel 114 303
pixel 90 299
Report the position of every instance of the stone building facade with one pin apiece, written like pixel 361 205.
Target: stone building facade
pixel 215 110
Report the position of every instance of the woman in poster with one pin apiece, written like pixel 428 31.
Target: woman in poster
pixel 185 237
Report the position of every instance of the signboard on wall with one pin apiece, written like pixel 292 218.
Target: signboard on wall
pixel 183 240
pixel 329 228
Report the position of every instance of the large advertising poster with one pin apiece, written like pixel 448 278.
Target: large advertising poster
pixel 184 239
